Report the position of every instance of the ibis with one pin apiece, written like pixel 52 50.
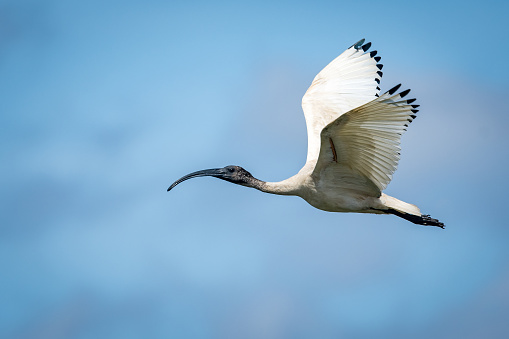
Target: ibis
pixel 354 133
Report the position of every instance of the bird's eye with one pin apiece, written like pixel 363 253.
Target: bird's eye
pixel 231 170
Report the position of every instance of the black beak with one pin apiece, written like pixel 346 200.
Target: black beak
pixel 215 172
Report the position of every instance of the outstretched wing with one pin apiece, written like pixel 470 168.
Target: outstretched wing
pixel 365 141
pixel 349 81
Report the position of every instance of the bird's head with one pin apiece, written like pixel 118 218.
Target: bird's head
pixel 234 174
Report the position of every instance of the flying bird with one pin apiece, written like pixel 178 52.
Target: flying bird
pixel 354 134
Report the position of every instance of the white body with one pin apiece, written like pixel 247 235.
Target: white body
pixel 325 195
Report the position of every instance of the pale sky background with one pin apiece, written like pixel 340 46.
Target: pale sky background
pixel 105 103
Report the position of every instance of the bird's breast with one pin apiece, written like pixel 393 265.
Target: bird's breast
pixel 335 198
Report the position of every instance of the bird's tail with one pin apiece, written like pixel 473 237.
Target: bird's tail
pixel 408 212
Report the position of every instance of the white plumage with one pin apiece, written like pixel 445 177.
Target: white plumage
pixel 353 142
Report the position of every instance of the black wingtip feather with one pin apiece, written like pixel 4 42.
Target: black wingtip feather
pixel 377 80
pixel 358 44
pixel 413 116
pixel 380 66
pixel 415 106
pixel 378 88
pixel 380 73
pixel 404 93
pixel 377 59
pixel 366 46
pixel 415 110
pixel 373 53
pixel 394 89
pixel 409 101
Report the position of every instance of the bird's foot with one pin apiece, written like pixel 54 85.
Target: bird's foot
pixel 427 220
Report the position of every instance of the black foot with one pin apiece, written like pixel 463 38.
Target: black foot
pixel 427 220
pixel 423 219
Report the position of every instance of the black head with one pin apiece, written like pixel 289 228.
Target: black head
pixel 234 174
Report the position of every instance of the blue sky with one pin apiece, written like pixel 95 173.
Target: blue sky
pixel 105 104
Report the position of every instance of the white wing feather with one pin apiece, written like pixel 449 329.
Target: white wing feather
pixel 349 81
pixel 366 140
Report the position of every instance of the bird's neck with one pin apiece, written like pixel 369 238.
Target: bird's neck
pixel 285 187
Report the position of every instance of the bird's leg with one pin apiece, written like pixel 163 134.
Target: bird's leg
pixel 423 219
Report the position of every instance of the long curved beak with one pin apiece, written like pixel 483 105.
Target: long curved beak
pixel 215 172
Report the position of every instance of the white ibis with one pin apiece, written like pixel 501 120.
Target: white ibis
pixel 353 142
